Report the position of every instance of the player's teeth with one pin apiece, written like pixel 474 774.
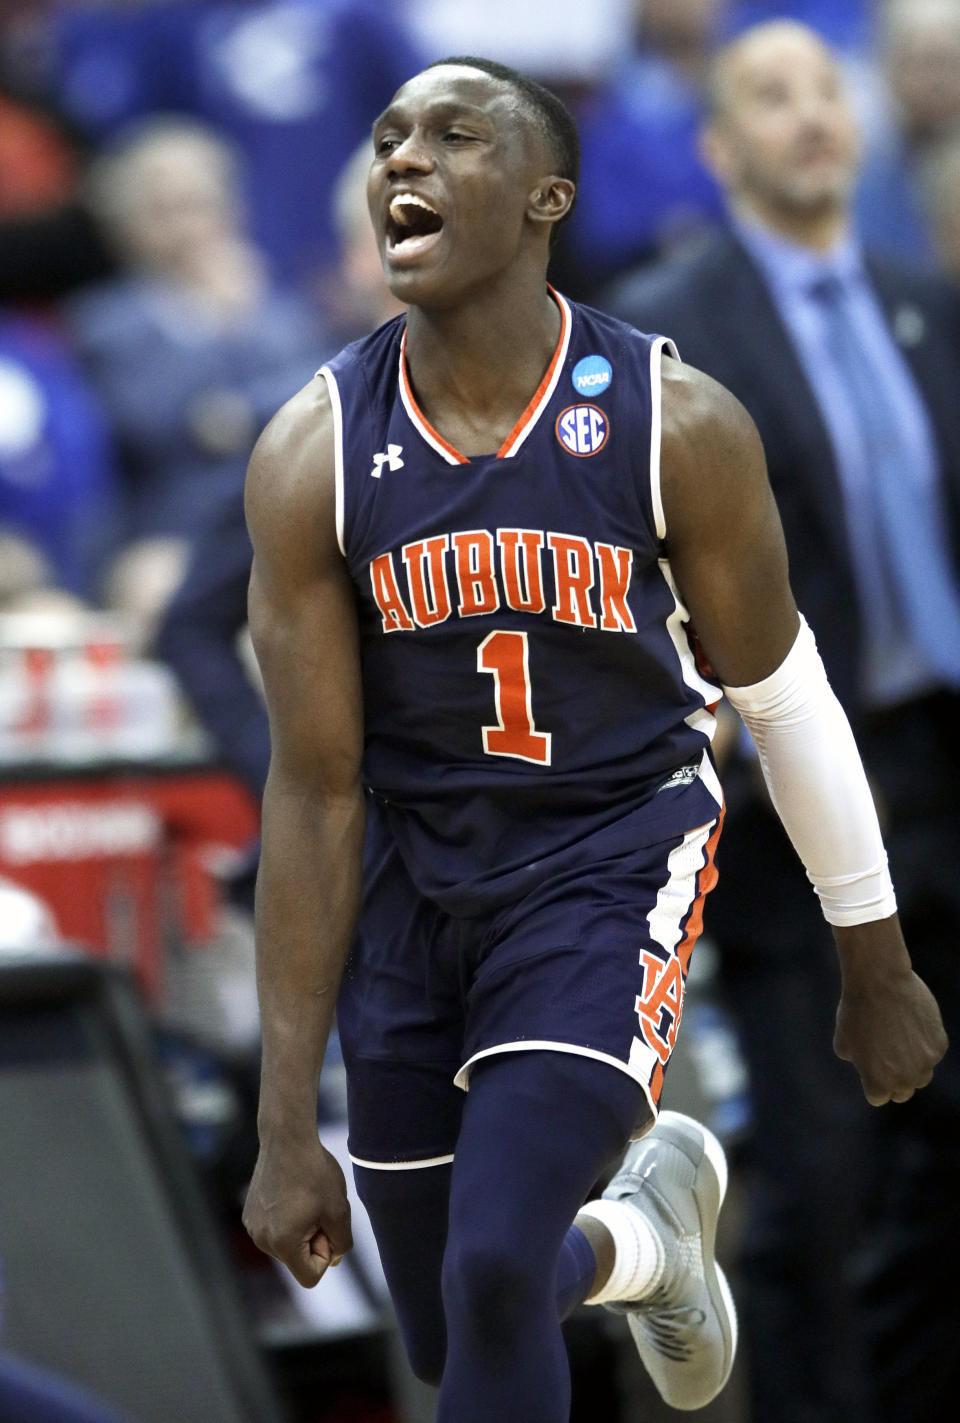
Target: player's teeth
pixel 400 205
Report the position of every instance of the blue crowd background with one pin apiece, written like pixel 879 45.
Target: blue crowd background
pixel 183 241
pixel 137 374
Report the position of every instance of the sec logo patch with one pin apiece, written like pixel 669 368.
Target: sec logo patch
pixel 582 429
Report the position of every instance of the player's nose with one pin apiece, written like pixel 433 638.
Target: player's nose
pixel 410 156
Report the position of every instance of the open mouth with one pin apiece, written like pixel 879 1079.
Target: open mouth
pixel 412 224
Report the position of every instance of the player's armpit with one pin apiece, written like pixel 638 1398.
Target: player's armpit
pixel 723 534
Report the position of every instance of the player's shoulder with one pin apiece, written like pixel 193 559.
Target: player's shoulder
pixel 709 442
pixel 696 406
pixel 371 357
pixel 711 455
pixel 300 433
pixel 590 323
pixel 290 490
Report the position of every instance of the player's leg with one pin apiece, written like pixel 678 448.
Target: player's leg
pixel 594 973
pixel 401 1030
pixel 408 1211
pixel 538 1129
pixel 404 1121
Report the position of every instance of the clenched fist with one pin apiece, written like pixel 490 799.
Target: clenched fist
pixel 297 1209
pixel 888 1021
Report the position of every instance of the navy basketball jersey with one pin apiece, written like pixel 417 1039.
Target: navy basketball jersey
pixel 531 695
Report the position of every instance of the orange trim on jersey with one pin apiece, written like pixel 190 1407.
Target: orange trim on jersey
pixel 434 436
pixel 533 406
pixel 526 419
pixel 706 879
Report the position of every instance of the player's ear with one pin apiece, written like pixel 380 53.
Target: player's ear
pixel 551 199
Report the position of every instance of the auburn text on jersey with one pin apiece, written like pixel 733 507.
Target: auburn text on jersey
pixel 475 572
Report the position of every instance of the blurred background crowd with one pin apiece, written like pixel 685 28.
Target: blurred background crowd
pixel 183 236
pixel 183 242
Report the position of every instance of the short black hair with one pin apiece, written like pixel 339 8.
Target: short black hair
pixel 549 113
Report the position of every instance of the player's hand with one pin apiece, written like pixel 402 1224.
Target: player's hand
pixel 888 1021
pixel 297 1209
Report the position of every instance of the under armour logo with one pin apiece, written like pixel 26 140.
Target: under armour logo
pixel 391 459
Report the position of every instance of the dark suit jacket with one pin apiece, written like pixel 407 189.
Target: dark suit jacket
pixel 198 638
pixel 717 307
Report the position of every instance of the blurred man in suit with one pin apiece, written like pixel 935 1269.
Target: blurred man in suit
pixel 851 369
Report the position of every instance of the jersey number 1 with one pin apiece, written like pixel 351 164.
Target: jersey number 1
pixel 505 655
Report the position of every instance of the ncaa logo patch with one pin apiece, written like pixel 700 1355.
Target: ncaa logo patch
pixel 582 429
pixel 591 375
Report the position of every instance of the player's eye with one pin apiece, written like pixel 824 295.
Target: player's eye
pixel 455 136
pixel 385 145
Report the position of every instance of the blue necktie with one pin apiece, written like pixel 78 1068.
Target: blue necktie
pixel 904 567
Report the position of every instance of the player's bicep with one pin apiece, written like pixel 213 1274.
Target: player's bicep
pixel 724 537
pixel 306 646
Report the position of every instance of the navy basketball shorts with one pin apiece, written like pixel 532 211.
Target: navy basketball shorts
pixel 592 962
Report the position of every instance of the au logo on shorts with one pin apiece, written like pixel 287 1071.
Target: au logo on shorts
pixel 660 1006
pixel 583 429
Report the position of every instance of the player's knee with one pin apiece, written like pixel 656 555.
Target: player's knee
pixel 491 1281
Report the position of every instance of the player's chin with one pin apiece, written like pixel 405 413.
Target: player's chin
pixel 420 285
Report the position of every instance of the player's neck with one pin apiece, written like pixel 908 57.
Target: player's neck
pixel 474 368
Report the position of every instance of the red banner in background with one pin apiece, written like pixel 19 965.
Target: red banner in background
pixel 127 861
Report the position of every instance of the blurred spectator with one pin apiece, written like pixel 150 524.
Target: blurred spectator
pixel 850 366
pixel 49 244
pixel 568 47
pixel 921 60
pixel 190 352
pixel 202 634
pixel 845 24
pixel 37 168
pixel 46 255
pixel 57 478
pixel 356 297
pixel 643 186
pixel 294 83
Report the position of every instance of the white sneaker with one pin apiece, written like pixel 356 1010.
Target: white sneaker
pixel 686 1330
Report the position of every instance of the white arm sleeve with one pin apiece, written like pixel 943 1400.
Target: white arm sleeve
pixel 816 781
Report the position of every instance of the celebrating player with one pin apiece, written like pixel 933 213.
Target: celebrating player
pixel 482 537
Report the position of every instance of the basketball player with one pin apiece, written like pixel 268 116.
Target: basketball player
pixel 482 538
